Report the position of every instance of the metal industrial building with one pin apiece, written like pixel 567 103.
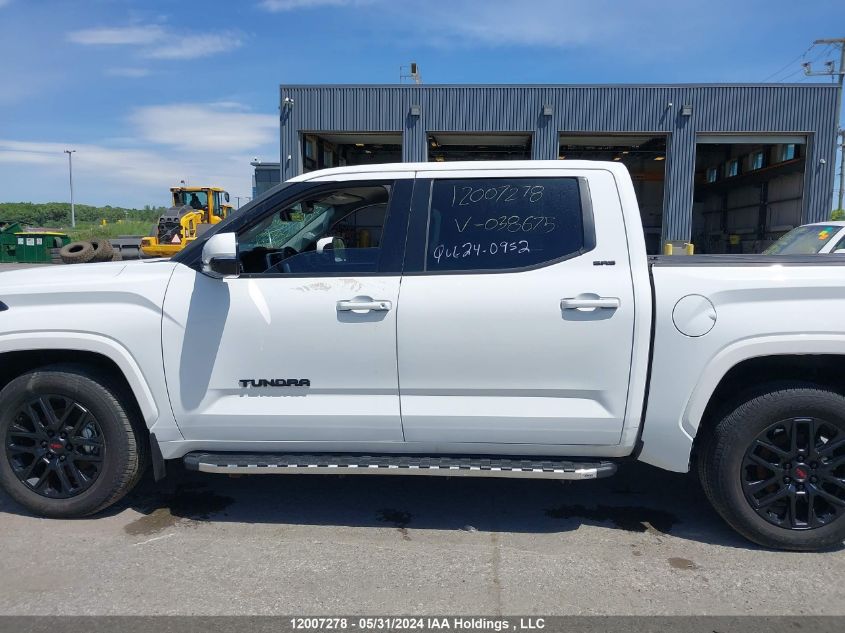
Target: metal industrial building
pixel 728 167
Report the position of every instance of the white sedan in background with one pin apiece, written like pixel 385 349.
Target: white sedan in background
pixel 811 239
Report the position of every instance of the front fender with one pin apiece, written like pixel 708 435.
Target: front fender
pixel 97 344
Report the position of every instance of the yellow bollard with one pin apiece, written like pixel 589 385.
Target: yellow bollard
pixel 667 248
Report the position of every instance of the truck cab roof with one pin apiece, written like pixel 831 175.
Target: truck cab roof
pixel 462 166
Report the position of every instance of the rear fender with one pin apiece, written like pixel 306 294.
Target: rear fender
pixel 747 349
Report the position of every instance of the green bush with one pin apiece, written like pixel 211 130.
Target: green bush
pixel 57 214
pixel 837 214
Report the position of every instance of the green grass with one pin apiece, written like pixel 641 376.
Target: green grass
pixel 110 230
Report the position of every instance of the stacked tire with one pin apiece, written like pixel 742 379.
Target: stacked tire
pixel 85 251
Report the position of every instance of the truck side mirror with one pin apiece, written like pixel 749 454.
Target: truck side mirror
pixel 220 256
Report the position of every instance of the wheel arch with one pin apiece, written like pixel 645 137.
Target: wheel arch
pixel 752 367
pixel 21 353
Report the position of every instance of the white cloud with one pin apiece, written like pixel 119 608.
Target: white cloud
pixel 133 164
pixel 202 144
pixel 193 127
pixel 156 42
pixel 535 23
pixel 130 72
pixel 549 23
pixel 194 46
pixel 117 36
pixel 290 5
pixel 37 171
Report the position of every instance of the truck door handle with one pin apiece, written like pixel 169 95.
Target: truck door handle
pixel 589 303
pixel 364 304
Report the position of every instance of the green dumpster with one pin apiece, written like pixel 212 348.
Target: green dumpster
pixel 39 247
pixel 8 240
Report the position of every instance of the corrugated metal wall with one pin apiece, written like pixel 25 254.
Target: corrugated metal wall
pixel 805 109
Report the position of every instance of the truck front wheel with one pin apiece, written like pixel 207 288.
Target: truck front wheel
pixel 774 468
pixel 70 446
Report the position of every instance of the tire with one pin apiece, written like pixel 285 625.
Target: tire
pixel 77 253
pixel 108 456
pixel 753 445
pixel 103 250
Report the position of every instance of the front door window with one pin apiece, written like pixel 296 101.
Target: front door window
pixel 337 231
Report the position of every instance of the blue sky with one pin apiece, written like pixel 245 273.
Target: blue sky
pixel 152 92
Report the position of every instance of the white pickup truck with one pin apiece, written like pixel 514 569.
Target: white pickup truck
pixel 493 319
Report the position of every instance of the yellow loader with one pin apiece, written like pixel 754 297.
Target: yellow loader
pixel 194 211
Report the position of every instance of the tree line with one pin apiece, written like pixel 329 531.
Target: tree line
pixel 57 214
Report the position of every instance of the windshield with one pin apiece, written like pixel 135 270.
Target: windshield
pixel 278 229
pixel 803 240
pixel 194 199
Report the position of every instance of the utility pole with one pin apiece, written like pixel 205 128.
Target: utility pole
pixel 841 160
pixel 70 153
pixel 840 73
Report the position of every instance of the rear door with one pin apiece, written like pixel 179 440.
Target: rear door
pixel 517 310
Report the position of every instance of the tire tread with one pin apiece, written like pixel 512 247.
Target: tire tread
pixel 718 445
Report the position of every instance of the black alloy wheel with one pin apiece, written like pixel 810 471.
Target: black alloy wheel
pixel 55 446
pixel 774 467
pixel 793 474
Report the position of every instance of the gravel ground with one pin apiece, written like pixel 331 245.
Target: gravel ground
pixel 643 542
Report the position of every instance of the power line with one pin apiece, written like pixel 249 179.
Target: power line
pixel 791 75
pixel 798 71
pixel 789 64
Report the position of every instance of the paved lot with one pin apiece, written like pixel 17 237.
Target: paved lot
pixel 644 542
pixel 5 266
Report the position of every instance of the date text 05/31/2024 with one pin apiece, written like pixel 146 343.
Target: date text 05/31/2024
pixel 426 623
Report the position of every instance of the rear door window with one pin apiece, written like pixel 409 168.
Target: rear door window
pixel 483 224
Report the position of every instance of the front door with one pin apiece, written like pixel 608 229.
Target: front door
pixel 517 309
pixel 301 346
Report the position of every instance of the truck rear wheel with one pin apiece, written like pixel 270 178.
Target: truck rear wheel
pixel 70 447
pixel 774 468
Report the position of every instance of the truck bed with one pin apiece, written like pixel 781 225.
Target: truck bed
pixel 727 261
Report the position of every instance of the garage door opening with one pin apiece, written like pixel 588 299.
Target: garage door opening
pixel 645 158
pixel 321 150
pixel 451 146
pixel 749 191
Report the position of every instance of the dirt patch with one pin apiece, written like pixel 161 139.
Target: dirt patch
pixel 682 563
